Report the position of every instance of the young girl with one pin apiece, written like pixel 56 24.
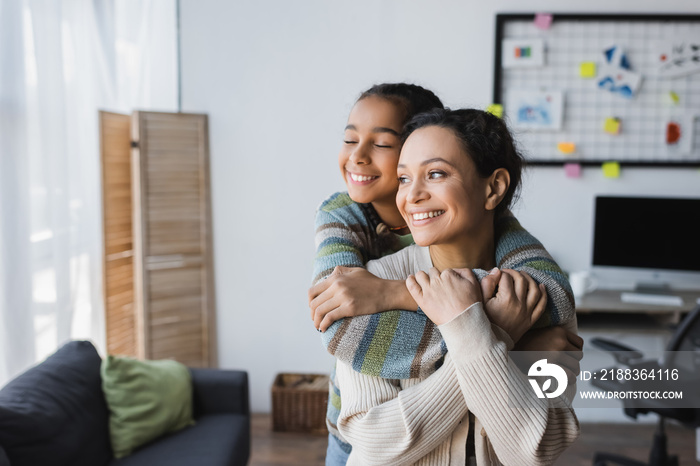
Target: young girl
pixel 364 224
pixel 458 170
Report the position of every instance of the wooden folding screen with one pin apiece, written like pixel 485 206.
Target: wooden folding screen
pixel 173 312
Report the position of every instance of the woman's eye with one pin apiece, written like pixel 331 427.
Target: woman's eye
pixel 434 175
pixel 403 179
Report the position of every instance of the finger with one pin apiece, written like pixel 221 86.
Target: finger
pixel 575 340
pixel 468 274
pixel 506 285
pixel 534 292
pixel 540 307
pixel 433 273
pixel 324 309
pixel 319 300
pixel 414 288
pixel 423 280
pixel 319 288
pixel 519 284
pixel 339 270
pixel 489 284
pixel 329 318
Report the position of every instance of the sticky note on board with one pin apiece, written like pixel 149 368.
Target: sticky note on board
pixel 673 132
pixel 675 99
pixel 566 147
pixel 495 109
pixel 587 69
pixel 572 170
pixel 611 169
pixel 612 126
pixel 543 21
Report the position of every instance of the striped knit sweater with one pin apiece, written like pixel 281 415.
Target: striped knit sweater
pixel 406 345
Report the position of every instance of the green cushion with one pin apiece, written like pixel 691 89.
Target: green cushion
pixel 146 399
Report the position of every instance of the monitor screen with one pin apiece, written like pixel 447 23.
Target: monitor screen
pixel 649 233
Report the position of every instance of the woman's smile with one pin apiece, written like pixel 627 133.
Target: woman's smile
pixel 424 217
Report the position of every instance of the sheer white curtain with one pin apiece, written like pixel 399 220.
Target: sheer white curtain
pixel 61 61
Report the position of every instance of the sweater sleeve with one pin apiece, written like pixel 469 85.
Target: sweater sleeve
pixel 501 396
pixel 341 237
pixel 517 249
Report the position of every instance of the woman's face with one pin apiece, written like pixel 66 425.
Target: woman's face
pixel 370 151
pixel 441 196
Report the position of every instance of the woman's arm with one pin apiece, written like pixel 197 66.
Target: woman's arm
pixel 494 388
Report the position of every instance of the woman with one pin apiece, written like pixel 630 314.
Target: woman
pixel 364 224
pixel 457 171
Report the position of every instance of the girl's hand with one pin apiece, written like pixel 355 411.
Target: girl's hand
pixel 565 347
pixel 444 295
pixel 517 305
pixel 349 292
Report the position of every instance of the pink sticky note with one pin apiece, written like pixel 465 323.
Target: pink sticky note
pixel 572 170
pixel 543 21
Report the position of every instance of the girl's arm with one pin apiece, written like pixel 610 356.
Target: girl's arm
pixel 517 249
pixel 352 293
pixel 344 243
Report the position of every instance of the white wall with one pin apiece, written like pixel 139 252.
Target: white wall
pixel 278 78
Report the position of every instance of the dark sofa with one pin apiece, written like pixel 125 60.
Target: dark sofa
pixel 55 415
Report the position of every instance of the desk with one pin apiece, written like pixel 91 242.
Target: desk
pixel 609 301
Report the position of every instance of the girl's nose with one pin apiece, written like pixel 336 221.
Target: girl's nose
pixel 360 155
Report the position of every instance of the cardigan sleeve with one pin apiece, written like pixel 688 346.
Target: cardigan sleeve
pixel 501 396
pixel 387 425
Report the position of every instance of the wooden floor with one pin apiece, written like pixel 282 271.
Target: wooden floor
pixel 283 448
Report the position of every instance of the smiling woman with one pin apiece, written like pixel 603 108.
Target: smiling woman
pixel 451 187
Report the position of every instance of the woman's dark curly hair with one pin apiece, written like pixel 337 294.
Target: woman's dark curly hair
pixel 411 98
pixel 484 137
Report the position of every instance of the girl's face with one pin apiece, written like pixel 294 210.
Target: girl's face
pixel 370 151
pixel 441 196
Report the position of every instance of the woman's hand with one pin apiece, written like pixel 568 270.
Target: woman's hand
pixel 349 292
pixel 444 295
pixel 517 305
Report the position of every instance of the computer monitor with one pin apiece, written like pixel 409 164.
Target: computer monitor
pixel 647 242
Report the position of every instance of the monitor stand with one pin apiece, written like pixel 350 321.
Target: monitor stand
pixel 652 293
pixel 652 288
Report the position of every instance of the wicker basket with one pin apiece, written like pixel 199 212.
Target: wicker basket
pixel 299 403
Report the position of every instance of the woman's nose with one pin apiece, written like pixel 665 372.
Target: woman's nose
pixel 360 155
pixel 417 192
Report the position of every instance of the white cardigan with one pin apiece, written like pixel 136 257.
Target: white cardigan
pixel 425 421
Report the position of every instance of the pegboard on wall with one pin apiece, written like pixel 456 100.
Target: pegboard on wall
pixel 656 58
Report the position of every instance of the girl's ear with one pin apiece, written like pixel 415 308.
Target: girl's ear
pixel 496 187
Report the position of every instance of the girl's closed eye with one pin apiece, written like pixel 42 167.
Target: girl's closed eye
pixel 349 141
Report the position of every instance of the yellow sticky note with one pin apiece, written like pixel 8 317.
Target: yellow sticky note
pixel 566 147
pixel 495 109
pixel 612 125
pixel 674 97
pixel 611 169
pixel 587 69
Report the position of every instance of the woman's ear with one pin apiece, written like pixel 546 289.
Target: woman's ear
pixel 496 187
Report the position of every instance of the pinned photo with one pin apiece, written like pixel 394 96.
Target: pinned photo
pixel 522 53
pixel 616 75
pixel 535 110
pixel 677 57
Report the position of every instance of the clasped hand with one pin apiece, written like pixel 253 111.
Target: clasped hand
pixel 512 300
